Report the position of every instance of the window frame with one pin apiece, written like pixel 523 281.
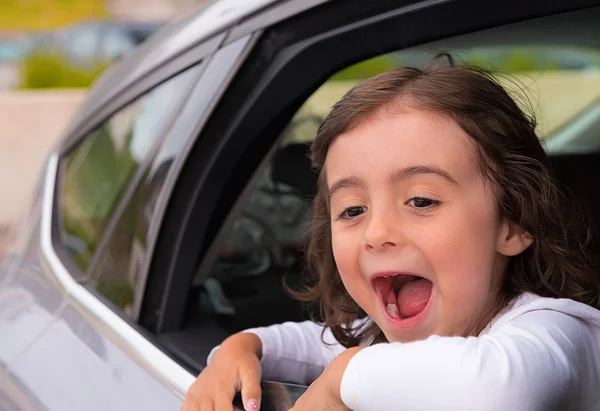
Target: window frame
pixel 92 116
pixel 271 87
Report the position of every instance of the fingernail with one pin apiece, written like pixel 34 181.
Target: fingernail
pixel 252 404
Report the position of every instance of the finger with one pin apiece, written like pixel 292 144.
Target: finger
pixel 224 397
pixel 206 404
pixel 251 391
pixel 189 404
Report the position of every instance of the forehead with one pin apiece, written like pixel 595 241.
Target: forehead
pixel 391 139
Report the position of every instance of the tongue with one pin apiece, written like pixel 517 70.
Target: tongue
pixel 413 297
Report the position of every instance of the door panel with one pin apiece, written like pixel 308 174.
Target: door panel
pixel 73 366
pixel 28 298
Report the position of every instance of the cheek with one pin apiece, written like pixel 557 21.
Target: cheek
pixel 462 250
pixel 346 251
pixel 344 246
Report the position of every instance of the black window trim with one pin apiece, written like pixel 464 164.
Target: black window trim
pixel 235 53
pixel 257 95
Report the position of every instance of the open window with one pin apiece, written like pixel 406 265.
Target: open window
pixel 261 204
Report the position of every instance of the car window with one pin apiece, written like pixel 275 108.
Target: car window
pixel 264 243
pixel 98 171
pixel 12 50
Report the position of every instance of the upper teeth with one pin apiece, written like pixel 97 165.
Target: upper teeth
pixel 392 310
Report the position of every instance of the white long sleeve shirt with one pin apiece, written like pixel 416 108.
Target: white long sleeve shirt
pixel 537 354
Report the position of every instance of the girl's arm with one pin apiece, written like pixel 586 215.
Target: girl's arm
pixel 294 352
pixel 543 360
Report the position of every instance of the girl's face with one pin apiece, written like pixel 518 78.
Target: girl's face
pixel 415 226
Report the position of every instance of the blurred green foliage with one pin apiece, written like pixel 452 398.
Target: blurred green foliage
pixel 366 69
pixel 96 175
pixel 519 60
pixel 44 70
pixel 513 60
pixel 119 292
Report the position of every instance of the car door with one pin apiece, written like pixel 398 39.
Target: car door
pixel 106 179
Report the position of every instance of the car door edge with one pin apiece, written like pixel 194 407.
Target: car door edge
pixel 123 334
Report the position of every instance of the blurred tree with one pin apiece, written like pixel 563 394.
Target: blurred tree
pixel 366 69
pixel 46 70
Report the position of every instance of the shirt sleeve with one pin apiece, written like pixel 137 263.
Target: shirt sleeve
pixel 295 352
pixel 531 363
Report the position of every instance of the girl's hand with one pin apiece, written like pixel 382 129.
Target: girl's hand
pixel 324 393
pixel 235 367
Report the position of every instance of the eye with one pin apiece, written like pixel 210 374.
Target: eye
pixel 352 212
pixel 421 203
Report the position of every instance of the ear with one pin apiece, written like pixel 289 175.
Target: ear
pixel 512 240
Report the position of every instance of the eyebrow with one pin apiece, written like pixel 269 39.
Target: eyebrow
pixel 412 171
pixel 396 176
pixel 348 182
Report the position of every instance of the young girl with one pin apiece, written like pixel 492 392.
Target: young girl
pixel 452 272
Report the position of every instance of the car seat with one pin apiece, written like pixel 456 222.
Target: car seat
pixel 291 166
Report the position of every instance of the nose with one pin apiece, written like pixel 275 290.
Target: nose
pixel 382 232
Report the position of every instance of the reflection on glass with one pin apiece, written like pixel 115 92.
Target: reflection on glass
pixel 99 170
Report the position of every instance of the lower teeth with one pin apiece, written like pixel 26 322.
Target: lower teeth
pixel 392 310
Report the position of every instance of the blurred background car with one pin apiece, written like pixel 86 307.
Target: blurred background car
pixel 91 42
pixel 12 48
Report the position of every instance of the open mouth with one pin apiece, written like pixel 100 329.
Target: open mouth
pixel 404 296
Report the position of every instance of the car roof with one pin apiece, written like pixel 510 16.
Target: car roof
pixel 170 41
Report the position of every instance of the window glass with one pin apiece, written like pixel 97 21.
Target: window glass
pixel 119 273
pixel 560 84
pixel 99 170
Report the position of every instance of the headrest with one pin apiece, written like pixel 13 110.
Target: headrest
pixel 291 165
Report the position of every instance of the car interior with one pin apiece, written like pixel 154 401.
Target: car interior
pixel 259 248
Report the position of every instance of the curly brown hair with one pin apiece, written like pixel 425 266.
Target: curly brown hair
pixel 510 155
